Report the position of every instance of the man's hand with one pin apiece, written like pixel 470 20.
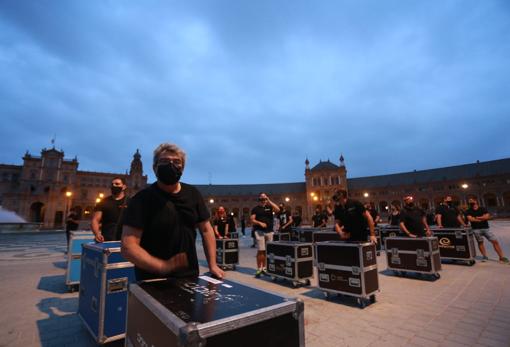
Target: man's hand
pixel 176 263
pixel 344 235
pixel 428 233
pixel 373 239
pixel 217 272
pixel 263 225
pixel 99 237
pixel 411 235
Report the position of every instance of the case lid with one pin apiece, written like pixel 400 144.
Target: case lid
pixel 204 299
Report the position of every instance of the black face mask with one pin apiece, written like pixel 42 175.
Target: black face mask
pixel 168 173
pixel 410 204
pixel 115 190
pixel 449 203
pixel 471 204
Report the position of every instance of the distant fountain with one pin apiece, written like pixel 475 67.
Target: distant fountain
pixel 11 222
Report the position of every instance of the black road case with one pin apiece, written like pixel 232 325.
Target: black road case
pixel 290 260
pixel 227 253
pixel 324 235
pixel 281 236
pixel 206 312
pixel 348 268
pixel 419 255
pixel 389 231
pixel 456 244
pixel 306 234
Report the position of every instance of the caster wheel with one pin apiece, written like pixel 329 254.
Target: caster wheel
pixel 71 289
pixel 327 295
pixel 233 267
pixel 437 276
pixel 307 282
pixel 273 278
pixel 372 299
pixel 362 303
pixel 295 284
pixel 471 263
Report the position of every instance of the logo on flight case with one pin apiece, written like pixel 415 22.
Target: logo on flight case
pixel 445 242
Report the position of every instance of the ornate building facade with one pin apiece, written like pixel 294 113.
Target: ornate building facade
pixel 45 187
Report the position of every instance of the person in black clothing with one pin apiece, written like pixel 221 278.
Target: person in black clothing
pixel 479 218
pixel 243 225
pixel 285 219
pixel 220 224
pixel 373 213
pixel 231 223
pixel 319 219
pixel 394 217
pixel 447 215
pixel 262 224
pixel 352 219
pixel 296 219
pixel 106 221
pixel 159 226
pixel 412 219
pixel 72 222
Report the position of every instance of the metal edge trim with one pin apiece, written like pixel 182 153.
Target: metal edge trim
pixel 416 271
pixel 290 278
pixel 206 330
pixel 294 260
pixel 119 265
pixel 114 338
pixel 361 266
pixel 102 303
pixel 367 295
pixel 345 244
pixel 167 317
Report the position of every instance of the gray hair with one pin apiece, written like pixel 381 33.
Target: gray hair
pixel 171 148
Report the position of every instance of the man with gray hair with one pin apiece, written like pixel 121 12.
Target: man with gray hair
pixel 159 226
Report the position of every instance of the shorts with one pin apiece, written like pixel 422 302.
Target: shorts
pixel 262 238
pixel 489 235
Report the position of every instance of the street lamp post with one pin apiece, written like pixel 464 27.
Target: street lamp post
pixel 69 194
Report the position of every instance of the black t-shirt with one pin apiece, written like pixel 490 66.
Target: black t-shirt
pixel 111 217
pixel 70 224
pixel 296 220
pixel 263 214
pixel 351 216
pixel 448 216
pixel 412 217
pixel 169 224
pixel 221 224
pixel 374 214
pixel 284 217
pixel 394 219
pixel 231 224
pixel 480 211
pixel 319 219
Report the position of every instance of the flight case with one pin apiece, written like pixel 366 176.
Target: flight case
pixel 203 311
pixel 105 276
pixel 456 244
pixel 227 253
pixel 348 268
pixel 290 260
pixel 76 240
pixel 418 255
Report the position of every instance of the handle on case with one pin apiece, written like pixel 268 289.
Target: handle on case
pixel 117 285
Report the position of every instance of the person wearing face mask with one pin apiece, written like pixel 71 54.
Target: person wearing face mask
pixel 479 218
pixel 108 212
pixel 352 221
pixel 413 221
pixel 262 224
pixel 447 215
pixel 159 226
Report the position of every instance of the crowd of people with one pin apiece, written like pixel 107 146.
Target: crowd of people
pixel 158 225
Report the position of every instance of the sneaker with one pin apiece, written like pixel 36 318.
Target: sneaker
pixel 264 272
pixel 485 258
pixel 258 273
pixel 504 260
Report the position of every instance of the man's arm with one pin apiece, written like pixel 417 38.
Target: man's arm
pixel 209 244
pixel 404 229
pixel 439 220
pixel 96 219
pixel 426 225
pixel 255 221
pixel 289 222
pixel 460 220
pixel 274 206
pixel 371 227
pixel 484 217
pixel 133 252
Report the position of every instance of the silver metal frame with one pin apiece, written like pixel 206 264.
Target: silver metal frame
pixel 354 269
pixel 295 261
pixel 205 330
pixel 104 266
pixel 429 239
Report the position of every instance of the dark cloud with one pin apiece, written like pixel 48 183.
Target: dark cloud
pixel 250 89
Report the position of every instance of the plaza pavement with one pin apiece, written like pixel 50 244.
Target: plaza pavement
pixel 467 306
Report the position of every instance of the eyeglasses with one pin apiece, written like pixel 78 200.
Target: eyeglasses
pixel 262 199
pixel 165 161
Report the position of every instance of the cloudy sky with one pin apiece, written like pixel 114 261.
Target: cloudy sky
pixel 249 89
